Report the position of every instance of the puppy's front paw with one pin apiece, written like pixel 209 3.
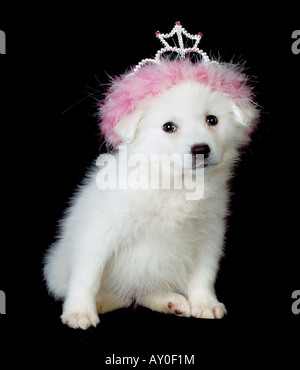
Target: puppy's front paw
pixel 80 320
pixel 214 310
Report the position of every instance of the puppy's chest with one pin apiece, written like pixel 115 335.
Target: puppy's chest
pixel 168 218
pixel 159 242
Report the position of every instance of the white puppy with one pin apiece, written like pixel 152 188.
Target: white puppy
pixel 154 246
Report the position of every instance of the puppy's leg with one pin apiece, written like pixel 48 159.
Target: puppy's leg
pixel 79 308
pixel 88 262
pixel 166 303
pixel 201 292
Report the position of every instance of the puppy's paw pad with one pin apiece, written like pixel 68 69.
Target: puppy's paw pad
pixel 209 311
pixel 80 320
pixel 179 306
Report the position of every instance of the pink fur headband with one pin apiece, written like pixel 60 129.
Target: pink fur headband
pixel 154 76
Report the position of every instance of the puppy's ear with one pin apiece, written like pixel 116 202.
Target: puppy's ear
pixel 126 128
pixel 246 115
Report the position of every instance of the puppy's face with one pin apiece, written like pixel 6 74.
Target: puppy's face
pixel 192 119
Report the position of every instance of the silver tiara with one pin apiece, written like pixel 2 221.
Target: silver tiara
pixel 180 50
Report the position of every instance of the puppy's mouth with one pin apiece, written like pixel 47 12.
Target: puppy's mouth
pixel 205 166
pixel 192 166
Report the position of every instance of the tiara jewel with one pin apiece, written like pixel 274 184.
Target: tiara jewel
pixel 181 50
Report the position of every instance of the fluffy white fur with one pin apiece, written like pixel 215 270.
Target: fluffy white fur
pixel 152 247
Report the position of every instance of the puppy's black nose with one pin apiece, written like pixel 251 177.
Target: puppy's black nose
pixel 201 149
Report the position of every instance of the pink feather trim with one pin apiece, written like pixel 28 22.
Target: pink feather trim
pixel 127 92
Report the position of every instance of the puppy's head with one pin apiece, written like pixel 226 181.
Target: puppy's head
pixel 181 107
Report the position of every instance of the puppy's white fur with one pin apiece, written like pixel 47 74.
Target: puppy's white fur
pixel 152 246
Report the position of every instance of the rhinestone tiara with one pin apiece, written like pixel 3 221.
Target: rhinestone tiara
pixel 181 50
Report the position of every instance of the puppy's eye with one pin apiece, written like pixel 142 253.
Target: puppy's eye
pixel 169 127
pixel 211 120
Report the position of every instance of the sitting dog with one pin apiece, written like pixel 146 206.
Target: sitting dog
pixel 158 246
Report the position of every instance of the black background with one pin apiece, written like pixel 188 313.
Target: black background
pixel 54 72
